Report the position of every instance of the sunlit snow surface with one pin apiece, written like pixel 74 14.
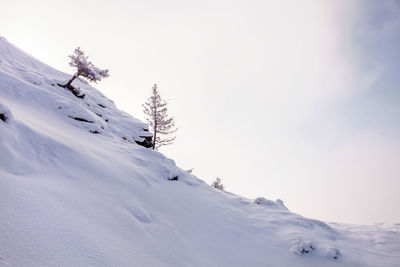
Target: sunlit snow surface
pixel 83 193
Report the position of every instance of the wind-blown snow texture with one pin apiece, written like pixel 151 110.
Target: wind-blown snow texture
pixel 69 197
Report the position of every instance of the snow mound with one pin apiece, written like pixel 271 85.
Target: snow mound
pixel 269 203
pixel 329 252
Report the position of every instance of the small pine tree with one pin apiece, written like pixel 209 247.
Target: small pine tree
pixel 84 68
pixel 160 123
pixel 218 184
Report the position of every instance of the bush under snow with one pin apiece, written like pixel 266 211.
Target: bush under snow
pixel 301 247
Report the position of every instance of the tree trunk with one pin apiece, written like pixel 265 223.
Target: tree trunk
pixel 155 129
pixel 154 139
pixel 68 85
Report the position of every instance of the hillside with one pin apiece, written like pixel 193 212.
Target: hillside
pixel 77 188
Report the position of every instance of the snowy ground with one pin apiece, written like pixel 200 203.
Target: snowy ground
pixel 79 192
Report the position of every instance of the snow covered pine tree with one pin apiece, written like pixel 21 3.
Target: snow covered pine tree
pixel 160 123
pixel 85 69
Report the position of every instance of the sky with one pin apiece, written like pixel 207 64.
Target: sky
pixel 296 100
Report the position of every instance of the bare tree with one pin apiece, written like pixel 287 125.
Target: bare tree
pixel 84 68
pixel 160 123
pixel 218 184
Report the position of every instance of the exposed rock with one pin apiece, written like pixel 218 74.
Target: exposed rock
pixel 5 113
pixel 147 142
pixel 80 119
pixel 175 178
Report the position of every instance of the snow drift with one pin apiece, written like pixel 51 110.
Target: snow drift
pixel 77 190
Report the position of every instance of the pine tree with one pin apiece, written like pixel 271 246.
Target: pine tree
pixel 218 184
pixel 84 68
pixel 159 121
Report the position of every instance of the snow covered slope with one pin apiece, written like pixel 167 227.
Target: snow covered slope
pixel 76 190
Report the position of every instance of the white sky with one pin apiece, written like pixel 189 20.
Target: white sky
pixel 297 100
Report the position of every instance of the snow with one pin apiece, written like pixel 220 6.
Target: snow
pixel 69 197
pixel 266 202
